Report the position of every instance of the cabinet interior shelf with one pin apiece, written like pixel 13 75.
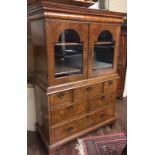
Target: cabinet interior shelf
pixel 65 44
pixel 105 42
pixel 66 70
pixel 101 65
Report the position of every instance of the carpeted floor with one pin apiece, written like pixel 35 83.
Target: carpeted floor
pixel 36 147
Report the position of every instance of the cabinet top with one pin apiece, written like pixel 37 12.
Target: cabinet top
pixel 44 9
pixel 81 3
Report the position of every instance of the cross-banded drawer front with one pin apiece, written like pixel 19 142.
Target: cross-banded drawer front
pixel 61 98
pixel 68 112
pixel 78 125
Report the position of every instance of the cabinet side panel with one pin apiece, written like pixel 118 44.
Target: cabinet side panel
pixel 122 62
pixel 42 111
pixel 40 53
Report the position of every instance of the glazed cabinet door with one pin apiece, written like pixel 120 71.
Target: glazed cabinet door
pixel 103 49
pixel 67 44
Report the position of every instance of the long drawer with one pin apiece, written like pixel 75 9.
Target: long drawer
pixel 72 127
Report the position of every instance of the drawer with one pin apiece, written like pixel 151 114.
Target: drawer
pixel 97 89
pixel 80 94
pixel 110 86
pixel 69 112
pixel 103 115
pixel 98 102
pixel 73 127
pixel 61 98
pixel 101 102
pixel 86 92
pixel 64 131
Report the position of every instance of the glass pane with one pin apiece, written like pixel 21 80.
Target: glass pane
pixel 105 36
pixel 68 54
pixel 103 51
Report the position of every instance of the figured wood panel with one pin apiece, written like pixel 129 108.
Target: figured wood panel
pixel 122 62
pixel 39 49
pixel 30 61
pixel 42 111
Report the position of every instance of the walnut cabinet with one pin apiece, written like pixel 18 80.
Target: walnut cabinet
pixel 75 63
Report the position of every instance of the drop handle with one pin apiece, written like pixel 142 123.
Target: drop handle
pixel 70 108
pixel 61 95
pixel 110 82
pixel 89 88
pixel 102 115
pixel 103 97
pixel 69 128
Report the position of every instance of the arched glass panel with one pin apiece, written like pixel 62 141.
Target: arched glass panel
pixel 68 54
pixel 105 36
pixel 69 35
pixel 103 51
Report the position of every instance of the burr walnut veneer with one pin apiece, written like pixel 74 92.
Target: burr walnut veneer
pixel 75 60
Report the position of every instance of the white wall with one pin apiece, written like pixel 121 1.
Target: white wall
pixel 31 110
pixel 125 86
pixel 118 5
pixel 114 5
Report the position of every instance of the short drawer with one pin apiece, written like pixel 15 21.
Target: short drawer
pixel 68 112
pixel 73 127
pixel 110 86
pixel 80 94
pixel 87 92
pixel 61 98
pixel 95 90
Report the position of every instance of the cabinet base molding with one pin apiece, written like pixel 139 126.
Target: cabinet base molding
pixel 59 144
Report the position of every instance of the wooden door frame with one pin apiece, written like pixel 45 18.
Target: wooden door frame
pixel 94 31
pixel 61 25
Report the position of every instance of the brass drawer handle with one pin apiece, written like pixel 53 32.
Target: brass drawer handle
pixel 61 95
pixel 70 108
pixel 102 115
pixel 103 97
pixel 89 88
pixel 88 117
pixel 69 129
pixel 110 82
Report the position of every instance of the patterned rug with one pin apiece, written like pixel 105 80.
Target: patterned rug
pixel 112 144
